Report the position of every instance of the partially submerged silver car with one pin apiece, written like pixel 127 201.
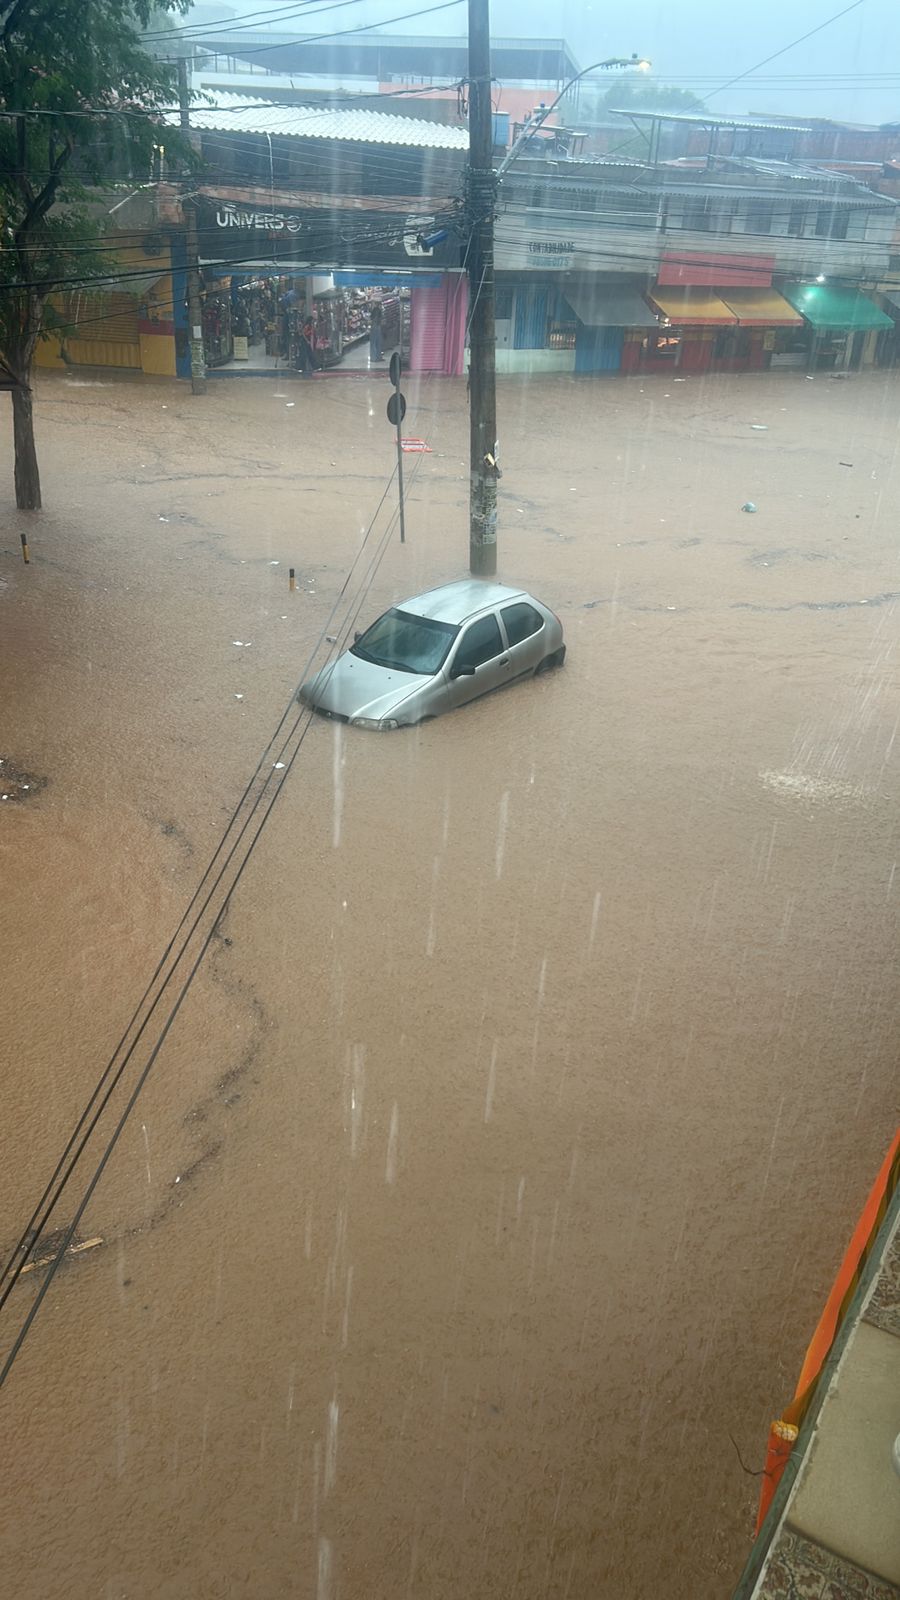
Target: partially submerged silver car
pixel 435 652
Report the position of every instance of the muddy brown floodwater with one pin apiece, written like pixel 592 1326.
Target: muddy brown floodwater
pixel 487 1188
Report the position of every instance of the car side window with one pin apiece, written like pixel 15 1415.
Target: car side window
pixel 520 622
pixel 480 643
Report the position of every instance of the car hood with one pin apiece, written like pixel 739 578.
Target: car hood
pixel 351 687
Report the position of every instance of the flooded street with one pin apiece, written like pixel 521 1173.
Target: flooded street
pixel 485 1194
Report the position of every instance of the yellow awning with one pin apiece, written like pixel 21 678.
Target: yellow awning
pixel 767 308
pixel 692 308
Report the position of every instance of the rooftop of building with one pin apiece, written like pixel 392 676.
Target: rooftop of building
pixel 241 114
pixel 759 178
pixel 542 60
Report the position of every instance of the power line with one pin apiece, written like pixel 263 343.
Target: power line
pixel 258 104
pixel 197 30
pixel 40 1216
pixel 380 234
pixel 270 270
pixel 785 48
pixel 43 1211
pixel 385 22
pixel 119 1127
pixel 513 233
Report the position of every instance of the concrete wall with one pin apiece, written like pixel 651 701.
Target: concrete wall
pixel 517 361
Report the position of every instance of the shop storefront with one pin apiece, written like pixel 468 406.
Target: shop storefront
pixel 764 319
pixel 258 322
pixel 719 329
pixel 607 314
pixel 692 319
pixel 130 327
pixel 299 300
pixel 843 325
pixel 437 325
pixel 888 353
pixel 536 328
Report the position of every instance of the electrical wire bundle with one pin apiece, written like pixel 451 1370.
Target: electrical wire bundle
pixel 119 1085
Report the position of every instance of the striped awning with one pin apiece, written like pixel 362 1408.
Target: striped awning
pixel 692 308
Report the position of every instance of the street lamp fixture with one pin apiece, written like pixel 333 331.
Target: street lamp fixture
pixel 532 127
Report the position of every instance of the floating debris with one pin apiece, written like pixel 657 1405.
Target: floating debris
pixel 20 785
pixel 73 1250
pixel 748 506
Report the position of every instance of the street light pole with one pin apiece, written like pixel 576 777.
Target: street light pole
pixel 531 128
pixel 480 201
pixel 480 194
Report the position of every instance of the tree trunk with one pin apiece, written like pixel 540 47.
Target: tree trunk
pixel 28 478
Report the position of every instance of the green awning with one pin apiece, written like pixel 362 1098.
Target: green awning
pixel 829 305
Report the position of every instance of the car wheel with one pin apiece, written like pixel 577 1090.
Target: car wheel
pixel 554 660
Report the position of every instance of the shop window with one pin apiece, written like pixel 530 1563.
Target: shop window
pixel 562 335
pixel 662 347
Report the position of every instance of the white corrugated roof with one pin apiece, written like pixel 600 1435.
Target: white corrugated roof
pixel 233 113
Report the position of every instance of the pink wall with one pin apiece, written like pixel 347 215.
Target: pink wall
pixel 438 327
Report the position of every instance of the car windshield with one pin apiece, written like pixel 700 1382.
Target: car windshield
pixel 408 643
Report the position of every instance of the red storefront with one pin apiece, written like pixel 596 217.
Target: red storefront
pixel 719 314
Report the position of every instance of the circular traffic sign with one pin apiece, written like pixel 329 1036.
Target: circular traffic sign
pixel 396 408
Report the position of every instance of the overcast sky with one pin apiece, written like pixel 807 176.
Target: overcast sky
pixel 850 70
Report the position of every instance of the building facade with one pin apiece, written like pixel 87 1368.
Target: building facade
pixel 706 263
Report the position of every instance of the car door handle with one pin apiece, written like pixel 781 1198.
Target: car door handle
pixel 504 661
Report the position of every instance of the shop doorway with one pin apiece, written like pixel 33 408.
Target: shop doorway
pixel 265 324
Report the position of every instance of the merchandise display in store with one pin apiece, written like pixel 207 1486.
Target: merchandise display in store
pixel 265 323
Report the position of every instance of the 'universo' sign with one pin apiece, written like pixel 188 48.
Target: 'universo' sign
pixel 257 221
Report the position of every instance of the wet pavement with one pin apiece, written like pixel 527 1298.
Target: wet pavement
pixel 487 1189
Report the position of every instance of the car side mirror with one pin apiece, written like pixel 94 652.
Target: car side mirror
pixel 462 671
pixel 357 636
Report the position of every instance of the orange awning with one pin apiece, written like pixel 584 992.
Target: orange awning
pixel 692 308
pixel 762 308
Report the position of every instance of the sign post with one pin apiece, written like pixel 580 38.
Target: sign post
pixel 396 411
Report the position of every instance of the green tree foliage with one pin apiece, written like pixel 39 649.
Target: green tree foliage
pixel 626 96
pixel 79 89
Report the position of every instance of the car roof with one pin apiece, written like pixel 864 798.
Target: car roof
pixel 455 602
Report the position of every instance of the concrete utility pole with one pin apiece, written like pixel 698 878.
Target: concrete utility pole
pixel 480 196
pixel 198 365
